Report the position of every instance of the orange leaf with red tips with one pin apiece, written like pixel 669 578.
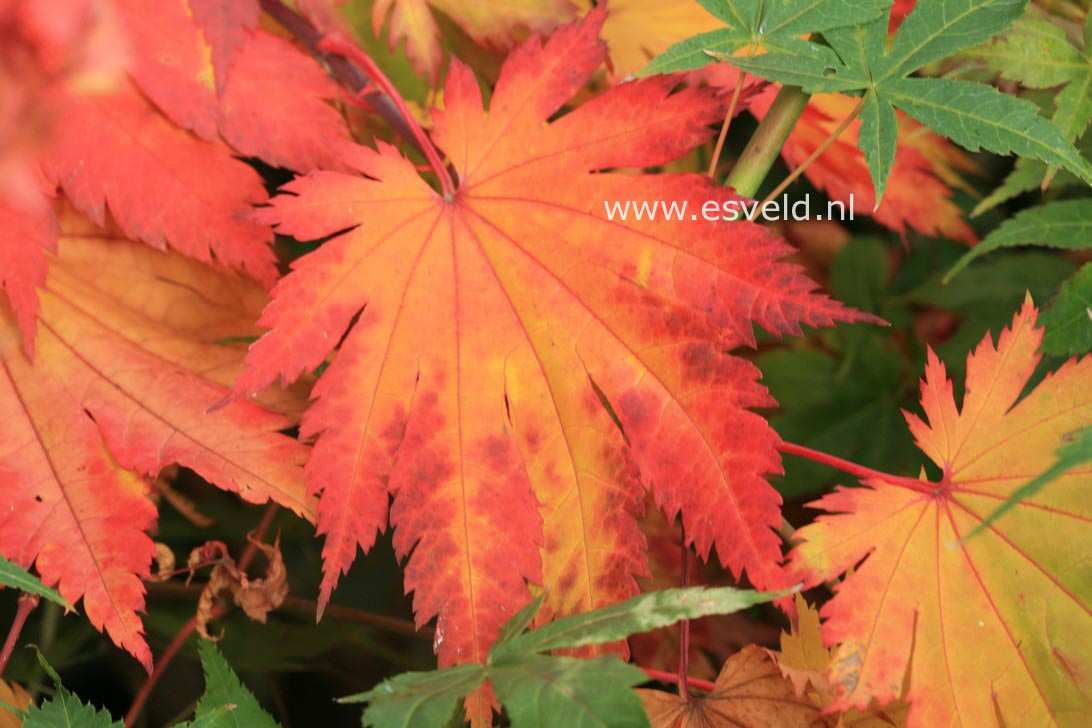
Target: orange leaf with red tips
pixel 484 330
pixel 126 366
pixel 995 626
pixel 492 23
pixel 919 194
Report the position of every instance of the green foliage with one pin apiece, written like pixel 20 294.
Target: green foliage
pixel 936 29
pixel 985 292
pixel 633 616
pixel 531 684
pixel 569 691
pixel 419 698
pixel 975 116
pixel 845 397
pixel 1065 224
pixel 65 710
pixel 16 577
pixel 767 24
pixel 226 702
pixel 1068 321
pixel 1076 452
pixel 1039 55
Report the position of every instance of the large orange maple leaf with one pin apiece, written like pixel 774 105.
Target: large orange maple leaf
pixel 127 363
pixel 998 625
pixel 484 329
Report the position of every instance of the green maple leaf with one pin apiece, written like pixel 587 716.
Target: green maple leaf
pixel 531 684
pixel 63 709
pixel 1068 321
pixel 1039 55
pixel 227 703
pixel 972 115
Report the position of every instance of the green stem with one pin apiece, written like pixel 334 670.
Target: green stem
pixel 755 162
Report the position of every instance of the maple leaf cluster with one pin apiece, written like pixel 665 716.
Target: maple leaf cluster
pixel 112 359
pixel 451 402
pixel 475 356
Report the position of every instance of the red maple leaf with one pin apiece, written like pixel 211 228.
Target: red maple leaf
pixel 486 325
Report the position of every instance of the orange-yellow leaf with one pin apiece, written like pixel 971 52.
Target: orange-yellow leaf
pixel 803 659
pixel 750 692
pixel 127 364
pixel 998 625
pixel 636 31
pixel 495 22
pixel 484 331
pixel 17 697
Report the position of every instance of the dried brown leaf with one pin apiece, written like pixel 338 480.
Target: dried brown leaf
pixel 750 692
pixel 257 597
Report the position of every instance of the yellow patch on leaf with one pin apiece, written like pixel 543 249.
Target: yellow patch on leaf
pixel 636 31
pixel 804 660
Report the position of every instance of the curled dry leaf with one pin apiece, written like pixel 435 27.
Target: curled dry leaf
pixel 164 563
pixel 257 597
pixel 750 692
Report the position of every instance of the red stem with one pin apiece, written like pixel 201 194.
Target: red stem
pixel 339 44
pixel 854 469
pixel 187 630
pixel 667 677
pixel 27 603
pixel 684 625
